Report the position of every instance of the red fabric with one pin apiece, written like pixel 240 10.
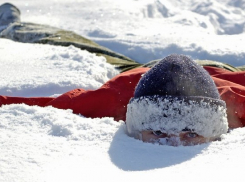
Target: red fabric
pixel 112 98
pixel 231 86
pixel 109 100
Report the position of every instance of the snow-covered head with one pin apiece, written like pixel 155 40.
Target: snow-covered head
pixel 177 95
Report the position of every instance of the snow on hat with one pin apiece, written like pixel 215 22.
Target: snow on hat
pixel 177 95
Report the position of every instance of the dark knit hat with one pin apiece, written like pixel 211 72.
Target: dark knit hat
pixel 175 95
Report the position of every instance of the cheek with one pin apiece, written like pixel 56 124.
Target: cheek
pixel 148 137
pixel 193 141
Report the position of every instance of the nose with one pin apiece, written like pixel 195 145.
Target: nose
pixel 173 140
pixel 163 135
pixel 172 135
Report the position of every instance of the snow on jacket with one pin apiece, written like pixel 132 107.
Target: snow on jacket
pixel 111 99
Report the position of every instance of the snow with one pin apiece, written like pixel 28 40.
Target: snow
pixel 149 110
pixel 45 70
pixel 48 144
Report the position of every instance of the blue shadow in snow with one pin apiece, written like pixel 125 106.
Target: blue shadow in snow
pixel 130 154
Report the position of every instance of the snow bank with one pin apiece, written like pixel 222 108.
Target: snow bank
pixel 45 70
pixel 48 144
pixel 34 140
pixel 151 29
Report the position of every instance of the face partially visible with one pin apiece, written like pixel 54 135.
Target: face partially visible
pixel 185 138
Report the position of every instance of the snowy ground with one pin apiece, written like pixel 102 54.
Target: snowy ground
pixel 145 30
pixel 48 144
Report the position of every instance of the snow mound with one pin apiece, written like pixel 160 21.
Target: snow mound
pixel 147 30
pixel 44 70
pixel 28 120
pixel 49 144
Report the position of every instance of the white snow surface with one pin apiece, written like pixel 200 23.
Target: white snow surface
pixel 48 144
pixel 45 70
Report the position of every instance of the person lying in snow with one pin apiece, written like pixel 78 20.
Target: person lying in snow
pixel 12 28
pixel 175 102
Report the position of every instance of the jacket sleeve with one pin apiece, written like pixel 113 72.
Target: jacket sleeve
pixel 110 100
pixel 231 87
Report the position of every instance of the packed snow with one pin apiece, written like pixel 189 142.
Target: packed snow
pixel 44 70
pixel 48 144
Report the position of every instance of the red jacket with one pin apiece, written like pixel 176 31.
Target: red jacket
pixel 112 98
